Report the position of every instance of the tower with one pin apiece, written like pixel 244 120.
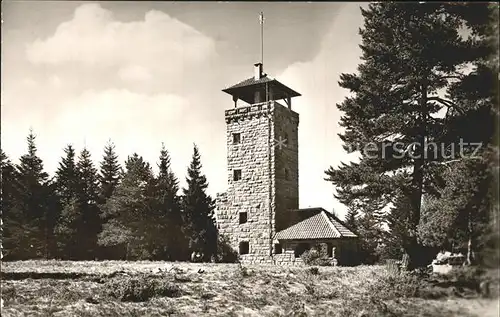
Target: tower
pixel 262 161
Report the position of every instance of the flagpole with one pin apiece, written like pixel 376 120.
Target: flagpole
pixel 261 38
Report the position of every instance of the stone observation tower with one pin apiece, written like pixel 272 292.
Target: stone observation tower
pixel 259 213
pixel 262 160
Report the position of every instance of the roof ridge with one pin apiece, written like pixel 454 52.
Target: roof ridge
pixel 323 212
pixel 342 224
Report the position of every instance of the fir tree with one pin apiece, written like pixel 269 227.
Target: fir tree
pixel 68 230
pixel 351 219
pixel 32 205
pixel 67 178
pixel 70 222
pixel 371 237
pixel 397 220
pixel 170 215
pixel 12 216
pixel 198 209
pixel 88 199
pixel 109 176
pixel 458 218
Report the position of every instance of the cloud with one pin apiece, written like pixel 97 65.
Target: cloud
pixel 55 81
pixel 134 73
pixel 95 38
pixel 317 81
pixel 124 81
pixel 135 122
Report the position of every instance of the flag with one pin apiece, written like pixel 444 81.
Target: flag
pixel 261 18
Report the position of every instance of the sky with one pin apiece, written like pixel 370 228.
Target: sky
pixel 143 73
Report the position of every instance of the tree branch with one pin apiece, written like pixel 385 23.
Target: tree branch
pixel 446 103
pixel 451 77
pixel 446 163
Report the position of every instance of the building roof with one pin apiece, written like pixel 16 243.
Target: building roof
pixel 322 225
pixel 246 89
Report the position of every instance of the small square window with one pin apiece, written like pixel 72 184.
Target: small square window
pixel 236 175
pixel 244 247
pixel 243 217
pixel 278 249
pixel 236 138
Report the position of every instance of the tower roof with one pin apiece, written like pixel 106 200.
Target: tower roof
pixel 246 89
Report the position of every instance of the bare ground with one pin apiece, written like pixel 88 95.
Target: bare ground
pixel 117 288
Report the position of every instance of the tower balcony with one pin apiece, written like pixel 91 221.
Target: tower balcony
pixel 259 89
pixel 256 110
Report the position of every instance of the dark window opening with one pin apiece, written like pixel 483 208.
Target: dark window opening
pixel 278 249
pixel 236 138
pixel 243 217
pixel 287 174
pixel 301 248
pixel 286 140
pixel 330 250
pixel 244 247
pixel 236 175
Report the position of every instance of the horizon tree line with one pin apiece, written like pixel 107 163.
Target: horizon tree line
pixel 110 212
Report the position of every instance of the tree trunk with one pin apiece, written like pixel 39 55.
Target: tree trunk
pixel 470 252
pixel 416 187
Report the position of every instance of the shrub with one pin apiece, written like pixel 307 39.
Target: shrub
pixel 314 270
pixel 316 257
pixel 140 289
pixel 243 271
pixel 225 253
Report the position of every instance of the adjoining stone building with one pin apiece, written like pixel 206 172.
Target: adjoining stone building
pixel 259 212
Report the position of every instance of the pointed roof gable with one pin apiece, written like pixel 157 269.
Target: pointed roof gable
pixel 322 225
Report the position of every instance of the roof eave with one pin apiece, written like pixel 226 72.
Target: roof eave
pixel 289 91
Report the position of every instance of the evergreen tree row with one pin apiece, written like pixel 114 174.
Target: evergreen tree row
pixel 83 213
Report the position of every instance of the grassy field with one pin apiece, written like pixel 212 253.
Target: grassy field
pixel 115 288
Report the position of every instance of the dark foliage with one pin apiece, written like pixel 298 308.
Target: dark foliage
pixel 412 52
pixel 198 211
pixel 83 215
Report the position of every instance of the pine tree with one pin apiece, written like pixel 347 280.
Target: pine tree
pixel 410 52
pixel 169 209
pixel 198 210
pixel 32 205
pixel 109 176
pixel 457 210
pixel 88 199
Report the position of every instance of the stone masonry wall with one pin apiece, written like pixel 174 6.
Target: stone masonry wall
pixel 251 193
pixel 286 165
pixel 258 160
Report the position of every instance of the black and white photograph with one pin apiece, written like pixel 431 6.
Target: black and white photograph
pixel 249 159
